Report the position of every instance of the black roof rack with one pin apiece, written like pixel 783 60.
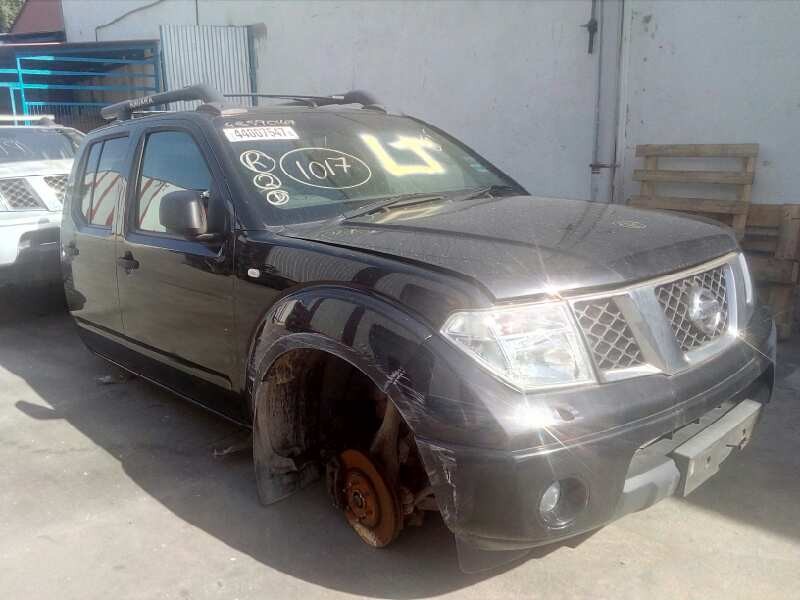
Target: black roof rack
pixel 366 99
pixel 214 101
pixel 124 110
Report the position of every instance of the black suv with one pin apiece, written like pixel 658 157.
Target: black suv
pixel 389 311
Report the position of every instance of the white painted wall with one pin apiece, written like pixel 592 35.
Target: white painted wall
pixel 514 80
pixel 93 20
pixel 715 72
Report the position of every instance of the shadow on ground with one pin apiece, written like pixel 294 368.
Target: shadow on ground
pixel 166 446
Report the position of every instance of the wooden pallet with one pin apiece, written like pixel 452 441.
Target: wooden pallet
pixel 772 245
pixel 781 301
pixel 732 212
pixel 773 230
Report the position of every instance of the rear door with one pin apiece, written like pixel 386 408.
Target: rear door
pixel 176 294
pixel 89 239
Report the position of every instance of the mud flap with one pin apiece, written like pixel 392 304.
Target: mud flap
pixel 277 476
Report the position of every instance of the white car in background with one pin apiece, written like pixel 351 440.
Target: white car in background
pixel 35 162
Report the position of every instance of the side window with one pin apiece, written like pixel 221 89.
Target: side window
pixel 87 180
pixel 171 162
pixel 103 181
pixel 109 182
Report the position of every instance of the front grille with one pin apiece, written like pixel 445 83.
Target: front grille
pixel 645 327
pixel 18 195
pixel 59 185
pixel 674 300
pixel 610 339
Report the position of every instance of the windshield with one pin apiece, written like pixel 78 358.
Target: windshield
pixel 322 164
pixel 29 143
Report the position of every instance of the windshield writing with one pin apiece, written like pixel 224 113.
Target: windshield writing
pixel 326 164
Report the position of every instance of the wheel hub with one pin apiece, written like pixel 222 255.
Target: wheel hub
pixel 370 506
pixel 362 501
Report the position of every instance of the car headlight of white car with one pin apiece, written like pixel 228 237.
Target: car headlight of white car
pixel 531 346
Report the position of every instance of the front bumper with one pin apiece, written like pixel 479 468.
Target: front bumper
pixel 29 249
pixel 489 498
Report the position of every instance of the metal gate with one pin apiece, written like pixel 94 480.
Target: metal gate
pixel 213 54
pixel 73 81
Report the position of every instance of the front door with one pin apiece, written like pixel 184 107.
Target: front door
pixel 176 293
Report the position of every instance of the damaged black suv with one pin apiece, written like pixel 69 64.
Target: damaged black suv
pixel 390 312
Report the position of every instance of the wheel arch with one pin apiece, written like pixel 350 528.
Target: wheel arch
pixel 383 354
pixel 371 336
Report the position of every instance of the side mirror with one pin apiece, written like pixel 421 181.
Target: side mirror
pixel 184 213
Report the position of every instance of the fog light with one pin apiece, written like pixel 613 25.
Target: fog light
pixel 550 498
pixel 561 502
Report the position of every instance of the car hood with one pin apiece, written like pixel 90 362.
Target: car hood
pixel 36 167
pixel 525 246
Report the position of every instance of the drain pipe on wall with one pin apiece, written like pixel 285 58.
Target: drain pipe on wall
pixel 626 33
pixel 596 26
pixel 607 100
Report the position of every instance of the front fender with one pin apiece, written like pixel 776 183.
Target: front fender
pixel 371 333
pixel 378 338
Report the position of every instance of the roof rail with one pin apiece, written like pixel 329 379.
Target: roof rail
pixel 123 110
pixel 352 97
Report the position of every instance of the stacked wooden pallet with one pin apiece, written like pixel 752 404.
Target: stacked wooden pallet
pixel 772 245
pixel 770 234
pixel 732 212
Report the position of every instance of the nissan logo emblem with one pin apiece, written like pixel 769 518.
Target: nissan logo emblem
pixel 705 311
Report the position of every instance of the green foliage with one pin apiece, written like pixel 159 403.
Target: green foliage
pixel 8 12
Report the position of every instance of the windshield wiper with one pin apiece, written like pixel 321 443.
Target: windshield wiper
pixel 398 200
pixel 489 190
pixel 423 197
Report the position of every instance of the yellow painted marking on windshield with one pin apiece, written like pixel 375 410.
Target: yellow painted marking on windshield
pixel 418 146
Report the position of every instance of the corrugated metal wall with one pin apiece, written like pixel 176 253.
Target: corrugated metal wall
pixel 213 54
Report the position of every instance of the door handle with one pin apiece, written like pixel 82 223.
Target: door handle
pixel 127 262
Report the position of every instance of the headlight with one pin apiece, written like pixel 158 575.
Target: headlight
pixel 748 280
pixel 530 347
pixel 747 307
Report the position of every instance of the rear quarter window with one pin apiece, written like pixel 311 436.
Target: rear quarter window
pixel 102 181
pixel 86 180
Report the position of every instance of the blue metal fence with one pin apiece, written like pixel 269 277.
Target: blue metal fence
pixel 74 83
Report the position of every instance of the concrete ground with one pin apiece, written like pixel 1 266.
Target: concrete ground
pixel 113 491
